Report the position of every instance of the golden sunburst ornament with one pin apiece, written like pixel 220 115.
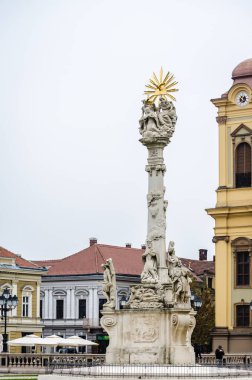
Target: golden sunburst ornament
pixel 160 87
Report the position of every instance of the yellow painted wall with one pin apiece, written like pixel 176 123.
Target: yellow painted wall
pixel 233 211
pixel 15 324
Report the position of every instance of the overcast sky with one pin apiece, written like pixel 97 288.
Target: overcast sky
pixel 72 76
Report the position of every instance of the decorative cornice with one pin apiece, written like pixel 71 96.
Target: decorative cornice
pixel 221 119
pixel 220 238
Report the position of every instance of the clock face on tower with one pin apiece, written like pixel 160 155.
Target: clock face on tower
pixel 242 99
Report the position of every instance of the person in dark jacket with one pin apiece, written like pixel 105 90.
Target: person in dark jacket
pixel 219 353
pixel 197 351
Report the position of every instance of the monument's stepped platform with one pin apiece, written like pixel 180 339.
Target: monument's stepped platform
pixel 149 372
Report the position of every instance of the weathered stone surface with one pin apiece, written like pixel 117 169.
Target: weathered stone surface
pixel 156 324
pixel 154 336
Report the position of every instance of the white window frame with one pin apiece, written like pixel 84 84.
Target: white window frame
pixel 27 293
pixel 59 294
pixel 79 295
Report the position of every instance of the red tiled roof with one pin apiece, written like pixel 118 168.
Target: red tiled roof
pixel 19 260
pixel 127 261
pixel 46 263
pixel 199 266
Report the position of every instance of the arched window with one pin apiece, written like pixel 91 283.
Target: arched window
pixel 243 165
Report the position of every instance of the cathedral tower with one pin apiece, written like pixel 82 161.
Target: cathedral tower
pixel 233 215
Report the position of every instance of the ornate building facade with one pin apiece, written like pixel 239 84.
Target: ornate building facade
pixel 233 215
pixel 71 290
pixel 23 279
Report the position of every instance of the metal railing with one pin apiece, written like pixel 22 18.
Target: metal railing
pixel 147 371
pixel 233 365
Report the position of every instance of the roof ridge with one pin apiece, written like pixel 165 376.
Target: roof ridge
pixel 18 256
pixel 96 262
pixel 118 246
pixel 74 254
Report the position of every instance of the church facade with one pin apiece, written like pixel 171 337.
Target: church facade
pixel 233 215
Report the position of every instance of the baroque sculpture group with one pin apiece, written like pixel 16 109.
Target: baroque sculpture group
pixel 162 299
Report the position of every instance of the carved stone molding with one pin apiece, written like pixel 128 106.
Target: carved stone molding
pixel 108 321
pixel 220 238
pixel 157 168
pixel 174 319
pixel 221 119
pixel 241 244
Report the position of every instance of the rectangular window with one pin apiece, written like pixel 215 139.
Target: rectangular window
pixel 82 308
pixel 59 309
pixel 242 315
pixel 25 306
pixel 41 309
pixel 242 269
pixel 25 349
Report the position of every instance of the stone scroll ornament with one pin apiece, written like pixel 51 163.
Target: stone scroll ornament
pixel 109 284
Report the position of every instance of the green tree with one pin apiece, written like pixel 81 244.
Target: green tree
pixel 205 318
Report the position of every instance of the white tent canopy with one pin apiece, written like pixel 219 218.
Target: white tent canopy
pixel 52 340
pixel 77 341
pixel 27 340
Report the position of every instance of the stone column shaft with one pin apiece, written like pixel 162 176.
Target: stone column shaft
pixel 156 229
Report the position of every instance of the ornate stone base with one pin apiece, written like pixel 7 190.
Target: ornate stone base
pixel 149 336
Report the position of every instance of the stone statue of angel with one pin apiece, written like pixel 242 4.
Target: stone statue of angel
pixel 149 273
pixel 167 116
pixel 149 126
pixel 109 284
pixel 181 280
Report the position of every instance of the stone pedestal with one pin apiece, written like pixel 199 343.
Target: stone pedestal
pixel 144 336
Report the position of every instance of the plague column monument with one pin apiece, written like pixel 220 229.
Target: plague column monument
pixel 156 324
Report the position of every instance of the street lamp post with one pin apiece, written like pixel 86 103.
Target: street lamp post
pixel 7 303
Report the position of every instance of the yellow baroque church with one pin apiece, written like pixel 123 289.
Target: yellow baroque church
pixel 22 278
pixel 233 215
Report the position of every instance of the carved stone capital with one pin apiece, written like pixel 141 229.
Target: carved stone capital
pixel 220 238
pixel 221 119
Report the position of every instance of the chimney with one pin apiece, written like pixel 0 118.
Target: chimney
pixel 92 241
pixel 128 245
pixel 202 254
pixel 143 246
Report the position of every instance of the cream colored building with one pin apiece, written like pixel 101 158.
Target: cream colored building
pixel 233 215
pixel 22 278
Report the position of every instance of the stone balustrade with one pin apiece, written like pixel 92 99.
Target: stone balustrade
pixel 232 359
pixel 45 360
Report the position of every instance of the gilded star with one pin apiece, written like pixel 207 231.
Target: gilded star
pixel 160 87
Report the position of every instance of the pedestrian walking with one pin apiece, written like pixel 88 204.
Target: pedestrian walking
pixel 197 351
pixel 219 353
